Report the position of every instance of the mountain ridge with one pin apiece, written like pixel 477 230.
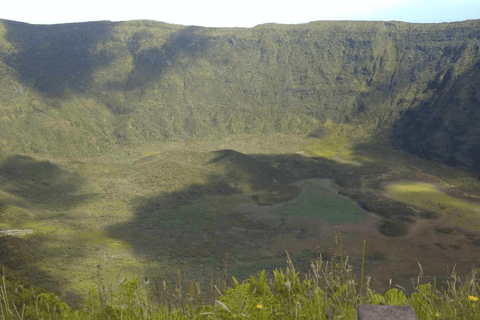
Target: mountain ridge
pixel 85 89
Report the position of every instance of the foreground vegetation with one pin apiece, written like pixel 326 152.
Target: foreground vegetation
pixel 322 294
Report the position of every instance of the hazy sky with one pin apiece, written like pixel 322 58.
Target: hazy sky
pixel 242 13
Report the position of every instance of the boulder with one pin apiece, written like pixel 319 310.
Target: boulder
pixel 376 312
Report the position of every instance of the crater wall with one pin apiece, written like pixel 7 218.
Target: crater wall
pixel 89 88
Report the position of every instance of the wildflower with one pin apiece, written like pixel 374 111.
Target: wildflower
pixel 473 298
pixel 259 306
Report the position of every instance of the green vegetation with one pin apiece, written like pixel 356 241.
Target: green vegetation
pixel 332 208
pixel 322 294
pixel 90 159
pixel 70 248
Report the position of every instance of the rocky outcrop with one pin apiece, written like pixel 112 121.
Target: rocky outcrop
pixel 90 88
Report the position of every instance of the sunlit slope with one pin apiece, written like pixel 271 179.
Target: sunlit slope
pixel 84 89
pixel 426 196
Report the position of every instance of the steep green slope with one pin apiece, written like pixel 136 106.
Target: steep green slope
pixel 85 89
pixel 447 127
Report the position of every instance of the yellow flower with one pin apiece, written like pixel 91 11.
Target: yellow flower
pixel 259 306
pixel 472 298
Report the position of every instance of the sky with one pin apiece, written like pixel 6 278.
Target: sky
pixel 239 13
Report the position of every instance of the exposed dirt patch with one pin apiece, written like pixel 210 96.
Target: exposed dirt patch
pixel 21 245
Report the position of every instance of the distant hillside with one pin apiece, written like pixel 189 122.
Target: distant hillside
pixel 86 89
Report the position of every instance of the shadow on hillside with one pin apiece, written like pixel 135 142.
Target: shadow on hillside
pixel 40 183
pixel 174 226
pixel 445 128
pixel 35 185
pixel 151 64
pixel 54 58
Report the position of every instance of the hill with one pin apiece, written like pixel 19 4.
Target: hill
pixel 86 89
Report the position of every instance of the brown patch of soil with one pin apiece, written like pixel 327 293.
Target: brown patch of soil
pixel 20 245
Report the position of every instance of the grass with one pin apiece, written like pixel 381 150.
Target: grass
pixel 320 294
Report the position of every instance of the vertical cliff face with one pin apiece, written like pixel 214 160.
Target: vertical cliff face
pixel 447 126
pixel 126 84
